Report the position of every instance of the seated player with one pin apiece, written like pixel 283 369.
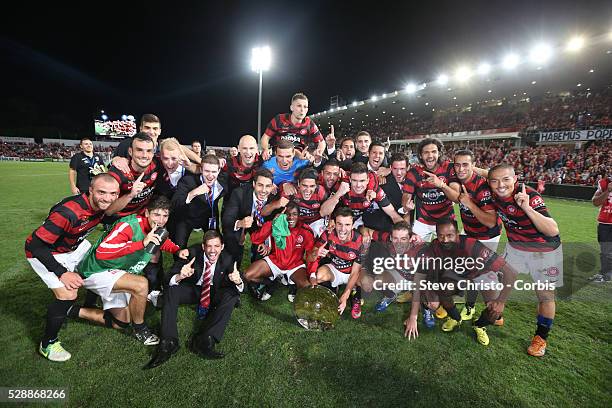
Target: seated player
pixel 287 252
pixel 284 165
pixel 56 247
pixel 454 259
pixel 113 269
pixel 343 248
pixel 534 244
pixel 210 279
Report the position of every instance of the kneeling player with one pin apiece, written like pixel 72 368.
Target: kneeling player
pixel 113 268
pixel 343 246
pixel 534 244
pixel 287 252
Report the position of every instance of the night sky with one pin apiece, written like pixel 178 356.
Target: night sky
pixel 189 63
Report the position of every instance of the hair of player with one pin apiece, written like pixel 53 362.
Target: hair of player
pixel 84 139
pixel 291 205
pixel 149 118
pixel 447 221
pixel 196 141
pixel 428 141
pixel 500 166
pixel 265 173
pixel 402 226
pixel 397 157
pixel 346 139
pixel 374 144
pixel 210 235
pixel 211 159
pixel 143 137
pixel 170 144
pixel 363 133
pixel 105 177
pixel 297 96
pixel 359 168
pixel 308 173
pixel 465 152
pixel 343 212
pixel 159 203
pixel 284 144
pixel 331 162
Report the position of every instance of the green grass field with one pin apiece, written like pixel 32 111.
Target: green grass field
pixel 271 361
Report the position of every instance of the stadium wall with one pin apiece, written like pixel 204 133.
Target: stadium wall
pixel 575 192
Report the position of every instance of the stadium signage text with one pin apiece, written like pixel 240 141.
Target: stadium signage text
pixel 575 136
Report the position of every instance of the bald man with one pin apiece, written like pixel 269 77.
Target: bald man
pixel 240 169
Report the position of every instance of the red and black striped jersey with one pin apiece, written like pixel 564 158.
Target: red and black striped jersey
pixel 431 202
pixel 342 254
pixel 309 209
pixel 138 203
pixel 476 258
pixel 301 134
pixel 359 204
pixel 480 192
pixel 521 231
pixel 239 174
pixel 68 223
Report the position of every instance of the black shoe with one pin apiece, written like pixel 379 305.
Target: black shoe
pixel 165 350
pixel 205 348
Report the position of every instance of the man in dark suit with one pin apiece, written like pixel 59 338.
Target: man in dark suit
pixel 210 280
pixel 196 202
pixel 242 212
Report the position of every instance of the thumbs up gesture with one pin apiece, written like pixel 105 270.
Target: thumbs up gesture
pixel 235 275
pixel 187 270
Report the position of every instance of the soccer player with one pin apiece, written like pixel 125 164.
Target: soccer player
pixel 428 184
pixel 363 141
pixel 83 166
pixel 453 259
pixel 603 198
pixel 287 254
pixel 56 247
pixel 343 248
pixel 534 244
pixel 294 127
pixel 150 125
pixel 331 176
pixel 113 269
pixel 284 166
pixel 241 168
pixel 196 146
pixel 308 196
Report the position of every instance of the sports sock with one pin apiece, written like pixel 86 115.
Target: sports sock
pixel 482 320
pixel 357 293
pixel 139 326
pixel 91 299
pixel 73 311
pixel 544 324
pixel 56 315
pixel 470 298
pixel 454 313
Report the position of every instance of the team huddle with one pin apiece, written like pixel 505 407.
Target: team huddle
pixel 316 213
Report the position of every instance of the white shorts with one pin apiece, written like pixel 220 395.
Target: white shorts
pixel 425 231
pixel 276 271
pixel 491 243
pixel 318 226
pixel 102 283
pixel 541 266
pixel 69 260
pixel 340 278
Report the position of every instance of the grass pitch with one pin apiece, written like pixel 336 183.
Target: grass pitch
pixel 271 361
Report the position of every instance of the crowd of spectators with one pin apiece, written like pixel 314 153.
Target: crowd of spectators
pixel 42 151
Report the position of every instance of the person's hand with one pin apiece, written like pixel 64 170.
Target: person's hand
pixel 322 252
pixel 183 253
pixel 342 303
pixel 366 235
pixel 415 239
pixel 496 308
pixel 409 205
pixel 152 237
pixel 283 201
pixel 71 280
pixel 330 225
pixel 313 281
pixel 330 139
pixel 263 250
pixel 522 198
pixel 122 164
pixel 382 179
pixel 411 328
pixel 289 189
pixel 222 162
pixel 433 179
pixel 234 276
pixel 464 197
pixel 343 189
pixel 370 195
pixel 75 190
pixel 186 270
pixel 266 154
pixel 137 186
pixel 246 222
pixel 199 190
pixel 340 155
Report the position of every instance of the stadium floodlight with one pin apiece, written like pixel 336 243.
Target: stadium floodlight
pixel 442 79
pixel 131 118
pixel 411 88
pixel 104 116
pixel 540 53
pixel 510 61
pixel 124 117
pixel 261 59
pixel 355 103
pixel 484 68
pixel 463 74
pixel 374 98
pixel 575 44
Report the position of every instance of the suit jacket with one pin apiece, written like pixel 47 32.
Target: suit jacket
pixel 197 212
pixel 220 280
pixel 393 192
pixel 239 205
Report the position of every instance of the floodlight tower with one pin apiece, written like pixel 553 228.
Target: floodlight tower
pixel 260 62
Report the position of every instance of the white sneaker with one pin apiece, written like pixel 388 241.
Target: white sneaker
pixel 290 297
pixel 54 352
pixel 265 296
pixel 153 297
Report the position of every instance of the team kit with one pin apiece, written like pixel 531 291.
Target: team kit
pixel 343 214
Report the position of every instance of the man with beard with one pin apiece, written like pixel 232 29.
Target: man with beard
pixel 83 166
pixel 56 247
pixel 534 244
pixel 455 261
pixel 284 166
pixel 241 168
pixel 287 252
pixel 330 177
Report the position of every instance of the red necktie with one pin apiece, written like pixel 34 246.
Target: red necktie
pixel 205 294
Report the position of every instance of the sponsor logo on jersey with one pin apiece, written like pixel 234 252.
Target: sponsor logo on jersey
pixel 303 131
pixel 511 209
